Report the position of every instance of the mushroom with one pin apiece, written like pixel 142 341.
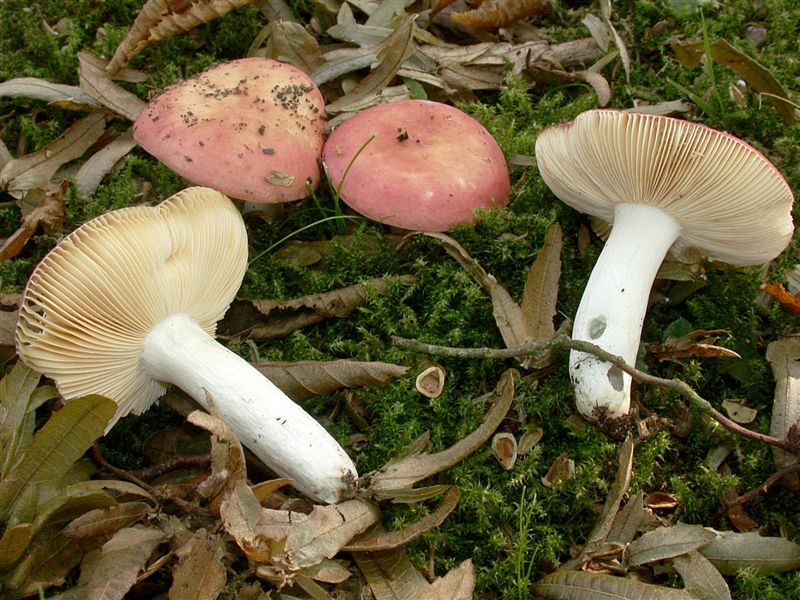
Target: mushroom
pixel 666 185
pixel 128 303
pixel 416 164
pixel 251 128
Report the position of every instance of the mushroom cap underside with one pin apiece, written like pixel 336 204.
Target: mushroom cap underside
pixel 416 164
pixel 91 302
pixel 731 203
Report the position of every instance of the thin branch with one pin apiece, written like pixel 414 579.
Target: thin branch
pixel 768 483
pixel 567 343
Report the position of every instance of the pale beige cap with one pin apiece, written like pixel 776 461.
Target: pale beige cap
pixel 91 302
pixel 731 203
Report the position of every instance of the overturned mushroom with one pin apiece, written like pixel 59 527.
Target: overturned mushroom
pixel 251 128
pixel 666 185
pixel 416 164
pixel 128 303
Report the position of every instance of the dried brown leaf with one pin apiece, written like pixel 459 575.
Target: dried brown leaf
pixel 48 213
pixel 790 302
pixel 504 448
pixel 529 440
pixel 291 42
pixel 397 539
pixel 784 358
pixel 628 521
pixel 507 313
pixel 303 379
pixel 599 30
pixel 37 169
pixel 266 319
pixel 668 542
pixel 391 576
pixel 393 52
pixel 200 573
pixel 96 82
pixel 562 468
pixel 493 14
pixel 328 571
pixel 123 557
pixel 458 584
pixel 700 578
pixel 14 543
pixel 327 530
pixel 162 19
pixel 101 162
pixel 754 73
pixel 731 552
pixel 584 585
pixel 406 472
pixel 45 565
pixel 106 521
pixel 57 94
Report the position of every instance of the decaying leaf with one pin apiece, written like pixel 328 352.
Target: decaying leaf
pixel 492 14
pixel 273 318
pixel 303 379
pixel 397 539
pixel 458 584
pixel 391 575
pixel 47 212
pixel 731 552
pixel 45 565
pixel 504 448
pixel 406 472
pixel 668 542
pixel 16 390
pixel 789 301
pixel 529 439
pixel 291 42
pixel 430 381
pixel 784 357
pixel 58 94
pixel 200 573
pixel 507 313
pixel 106 521
pixel 91 173
pixel 582 585
pixel 327 530
pixel 701 342
pixel 755 74
pixel 700 578
pixel 562 468
pixel 162 19
pixel 96 82
pixel 541 292
pixel 241 515
pixel 37 169
pixel 737 411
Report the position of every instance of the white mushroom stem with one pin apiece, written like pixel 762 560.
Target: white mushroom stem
pixel 611 312
pixel 278 431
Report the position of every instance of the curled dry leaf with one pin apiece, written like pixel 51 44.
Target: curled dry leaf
pixel 267 319
pixel 731 552
pixel 36 170
pixel 430 382
pixel 91 173
pixel 458 584
pixel 200 573
pixel 493 14
pixel 784 357
pixel 406 472
pixel 789 301
pixel 57 94
pixel 529 439
pixel 162 19
pixel 504 448
pixel 95 81
pixel 562 468
pixel 303 379
pixel 48 212
pixel 661 501
pixel 738 412
pixel 700 342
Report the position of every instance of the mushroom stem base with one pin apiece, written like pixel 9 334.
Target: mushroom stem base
pixel 285 437
pixel 612 309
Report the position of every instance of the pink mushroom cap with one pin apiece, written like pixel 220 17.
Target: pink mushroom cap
pixel 251 128
pixel 427 166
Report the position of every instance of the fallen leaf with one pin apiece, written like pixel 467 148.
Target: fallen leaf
pixel 37 169
pixel 397 539
pixel 628 521
pixel 241 515
pixel 46 565
pixel 784 358
pixel 327 530
pixel 99 164
pixel 303 379
pixel 583 585
pixel 493 14
pixel 668 542
pixel 162 19
pixel 732 552
pixel 291 42
pixel 57 94
pixel 48 213
pixel 406 472
pixel 96 82
pixel 200 573
pixel 391 575
pixel 562 468
pixel 328 571
pixel 700 342
pixel 738 412
pixel 529 440
pixel 458 584
pixel 700 578
pixel 106 521
pixel 541 292
pixel 504 448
